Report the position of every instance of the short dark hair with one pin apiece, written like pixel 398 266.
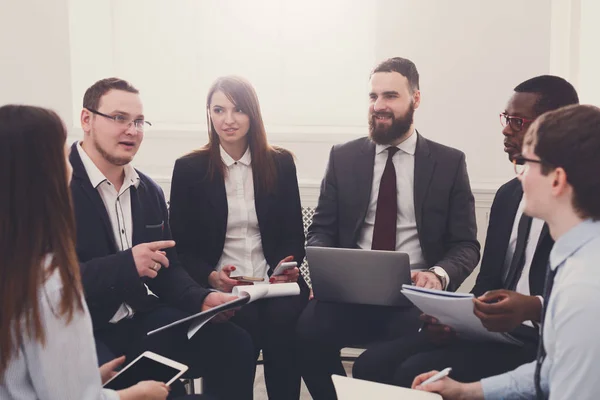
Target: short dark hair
pixel 404 67
pixel 570 138
pixel 92 96
pixel 555 92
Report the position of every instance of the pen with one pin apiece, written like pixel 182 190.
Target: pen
pixel 442 374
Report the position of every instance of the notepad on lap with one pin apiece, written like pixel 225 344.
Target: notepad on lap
pixel 245 294
pixel 456 311
pixel 356 389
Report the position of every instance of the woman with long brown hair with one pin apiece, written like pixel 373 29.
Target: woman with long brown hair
pixel 46 344
pixel 235 208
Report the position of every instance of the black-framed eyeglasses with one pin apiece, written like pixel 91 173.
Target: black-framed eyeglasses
pixel 516 123
pixel 522 164
pixel 139 123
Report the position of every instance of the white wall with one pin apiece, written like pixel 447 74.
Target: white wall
pixel 310 63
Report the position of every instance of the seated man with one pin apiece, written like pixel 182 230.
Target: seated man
pixel 393 191
pixel 561 185
pixel 131 278
pixel 512 273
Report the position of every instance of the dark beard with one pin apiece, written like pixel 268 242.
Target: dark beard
pixel 397 130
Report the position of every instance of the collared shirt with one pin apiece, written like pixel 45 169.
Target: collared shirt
pixel 534 237
pixel 571 327
pixel 118 207
pixel 243 243
pixel 407 236
pixel 66 366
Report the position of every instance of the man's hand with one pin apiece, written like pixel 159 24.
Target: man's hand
pixel 435 332
pixel 107 370
pixel 504 310
pixel 222 281
pixel 215 299
pixel 149 258
pixel 426 279
pixel 449 388
pixel 289 275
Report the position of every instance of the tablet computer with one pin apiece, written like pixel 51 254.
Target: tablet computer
pixel 148 366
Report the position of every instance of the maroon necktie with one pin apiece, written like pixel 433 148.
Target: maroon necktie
pixel 384 232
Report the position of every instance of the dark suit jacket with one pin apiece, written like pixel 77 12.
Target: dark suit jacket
pixel 199 209
pixel 444 204
pixel 110 276
pixel 493 274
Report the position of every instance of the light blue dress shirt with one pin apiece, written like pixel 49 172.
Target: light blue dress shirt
pixel 66 367
pixel 571 369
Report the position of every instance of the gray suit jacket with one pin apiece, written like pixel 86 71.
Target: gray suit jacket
pixel 444 204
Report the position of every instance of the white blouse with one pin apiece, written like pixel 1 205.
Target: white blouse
pixel 66 367
pixel 243 244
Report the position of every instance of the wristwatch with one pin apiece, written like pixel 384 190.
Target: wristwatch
pixel 440 273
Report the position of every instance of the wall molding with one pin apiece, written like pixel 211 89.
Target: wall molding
pixel 309 192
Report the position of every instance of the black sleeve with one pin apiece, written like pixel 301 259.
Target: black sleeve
pixel 323 231
pixel 463 248
pixel 182 212
pixel 173 284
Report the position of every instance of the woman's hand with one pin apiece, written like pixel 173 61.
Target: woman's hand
pixel 289 275
pixel 146 390
pixel 107 370
pixel 222 281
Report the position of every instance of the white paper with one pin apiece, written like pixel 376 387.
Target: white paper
pixel 456 311
pixel 356 389
pixel 265 291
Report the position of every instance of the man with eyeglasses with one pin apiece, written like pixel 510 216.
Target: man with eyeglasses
pixel 511 278
pixel 561 185
pixel 132 280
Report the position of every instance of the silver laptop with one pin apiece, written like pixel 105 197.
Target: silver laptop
pixel 358 276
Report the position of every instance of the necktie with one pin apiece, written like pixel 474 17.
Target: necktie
pixel 384 231
pixel 518 260
pixel 541 353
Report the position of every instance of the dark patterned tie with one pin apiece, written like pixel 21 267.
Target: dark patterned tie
pixel 541 354
pixel 384 231
pixel 518 260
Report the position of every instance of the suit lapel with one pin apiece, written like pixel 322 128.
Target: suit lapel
pixel 363 172
pixel 137 213
pixel 424 167
pixel 512 206
pixel 215 191
pixel 80 177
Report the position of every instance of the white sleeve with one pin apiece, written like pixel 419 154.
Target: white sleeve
pixel 575 370
pixel 66 366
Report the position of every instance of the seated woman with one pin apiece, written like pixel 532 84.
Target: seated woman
pixel 235 206
pixel 46 345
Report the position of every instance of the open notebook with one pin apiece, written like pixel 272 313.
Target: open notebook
pixel 456 311
pixel 356 389
pixel 246 294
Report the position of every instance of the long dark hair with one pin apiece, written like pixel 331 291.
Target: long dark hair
pixel 36 219
pixel 241 93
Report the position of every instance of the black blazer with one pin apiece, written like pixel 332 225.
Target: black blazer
pixel 110 276
pixel 493 274
pixel 198 212
pixel 444 204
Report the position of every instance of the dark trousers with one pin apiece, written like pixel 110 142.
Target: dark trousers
pixel 272 325
pixel 399 361
pixel 219 352
pixel 325 328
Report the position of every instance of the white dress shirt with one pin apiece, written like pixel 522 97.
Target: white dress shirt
pixel 571 328
pixel 534 237
pixel 407 236
pixel 66 366
pixel 118 207
pixel 243 243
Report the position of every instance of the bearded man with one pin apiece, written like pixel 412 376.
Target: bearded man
pixel 394 191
